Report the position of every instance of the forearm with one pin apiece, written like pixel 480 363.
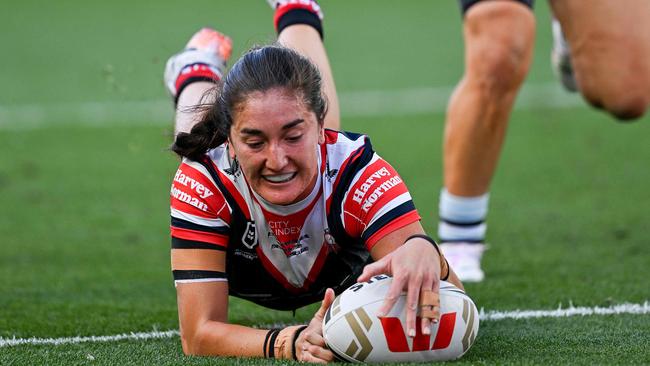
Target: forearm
pixel 214 338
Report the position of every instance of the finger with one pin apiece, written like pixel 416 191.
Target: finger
pixel 328 299
pixel 394 292
pixel 436 306
pixel 427 283
pixel 412 296
pixel 315 339
pixel 320 353
pixel 306 356
pixel 373 269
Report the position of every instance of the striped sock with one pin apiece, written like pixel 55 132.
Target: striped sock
pixel 462 219
pixel 290 12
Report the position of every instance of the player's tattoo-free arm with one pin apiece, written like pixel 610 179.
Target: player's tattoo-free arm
pixel 203 318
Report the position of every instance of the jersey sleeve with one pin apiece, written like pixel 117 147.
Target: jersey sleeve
pixel 200 225
pixel 377 203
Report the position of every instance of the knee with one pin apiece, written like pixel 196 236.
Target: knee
pixel 625 98
pixel 499 43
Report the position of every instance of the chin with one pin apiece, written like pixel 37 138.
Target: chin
pixel 279 198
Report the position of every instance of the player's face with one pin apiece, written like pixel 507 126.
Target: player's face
pixel 275 138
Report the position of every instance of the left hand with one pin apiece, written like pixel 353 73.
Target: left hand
pixel 415 267
pixel 310 345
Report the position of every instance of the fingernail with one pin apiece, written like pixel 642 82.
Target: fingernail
pixel 411 332
pixel 426 331
pixel 434 320
pixel 381 314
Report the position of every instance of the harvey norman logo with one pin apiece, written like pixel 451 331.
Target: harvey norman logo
pixel 187 181
pixel 361 192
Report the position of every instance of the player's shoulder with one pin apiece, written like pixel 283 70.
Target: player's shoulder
pixel 194 183
pixel 341 146
pixel 338 139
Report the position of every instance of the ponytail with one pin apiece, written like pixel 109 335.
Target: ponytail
pixel 211 131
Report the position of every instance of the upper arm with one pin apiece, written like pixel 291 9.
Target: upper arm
pixel 200 220
pixel 200 226
pixel 378 203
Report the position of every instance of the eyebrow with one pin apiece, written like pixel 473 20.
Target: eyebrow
pixel 287 126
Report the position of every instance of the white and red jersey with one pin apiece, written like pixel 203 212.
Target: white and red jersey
pixel 284 257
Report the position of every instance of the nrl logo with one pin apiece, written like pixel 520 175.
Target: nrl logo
pixel 330 173
pixel 234 167
pixel 249 239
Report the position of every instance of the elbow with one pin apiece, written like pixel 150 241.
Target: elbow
pixel 195 343
pixel 188 342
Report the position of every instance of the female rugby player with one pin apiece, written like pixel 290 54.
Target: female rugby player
pixel 270 206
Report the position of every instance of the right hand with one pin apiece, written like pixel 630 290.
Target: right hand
pixel 310 345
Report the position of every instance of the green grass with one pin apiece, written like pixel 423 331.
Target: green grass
pixel 84 210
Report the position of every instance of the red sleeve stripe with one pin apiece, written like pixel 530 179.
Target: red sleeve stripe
pixel 393 222
pixel 211 238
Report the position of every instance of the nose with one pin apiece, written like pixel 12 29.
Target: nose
pixel 276 158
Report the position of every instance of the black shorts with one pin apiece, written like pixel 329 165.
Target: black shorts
pixel 466 4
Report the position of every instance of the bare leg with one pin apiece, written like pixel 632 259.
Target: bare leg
pixel 306 41
pixel 191 96
pixel 499 37
pixel 610 52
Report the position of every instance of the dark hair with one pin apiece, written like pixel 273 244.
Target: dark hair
pixel 259 70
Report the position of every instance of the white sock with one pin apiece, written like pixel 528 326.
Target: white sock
pixel 462 219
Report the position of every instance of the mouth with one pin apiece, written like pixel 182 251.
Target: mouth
pixel 279 178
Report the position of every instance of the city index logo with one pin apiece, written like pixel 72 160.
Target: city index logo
pixel 396 338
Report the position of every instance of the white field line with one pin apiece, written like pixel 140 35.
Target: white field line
pixel 492 315
pixel 368 103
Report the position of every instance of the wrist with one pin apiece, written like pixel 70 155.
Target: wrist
pixel 444 265
pixel 281 343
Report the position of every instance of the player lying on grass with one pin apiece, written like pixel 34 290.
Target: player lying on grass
pixel 270 206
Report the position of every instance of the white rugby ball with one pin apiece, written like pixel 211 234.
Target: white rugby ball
pixel 354 333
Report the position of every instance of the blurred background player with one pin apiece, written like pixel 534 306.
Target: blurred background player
pixel 606 56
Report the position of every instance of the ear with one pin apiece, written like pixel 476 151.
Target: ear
pixel 321 134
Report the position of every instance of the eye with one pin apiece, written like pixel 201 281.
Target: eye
pixel 295 138
pixel 254 144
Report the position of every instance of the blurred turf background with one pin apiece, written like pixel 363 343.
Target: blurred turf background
pixel 84 206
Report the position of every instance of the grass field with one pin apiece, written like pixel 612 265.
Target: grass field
pixel 85 174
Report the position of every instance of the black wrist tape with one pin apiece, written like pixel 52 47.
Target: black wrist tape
pixel 269 343
pixel 301 16
pixel 293 341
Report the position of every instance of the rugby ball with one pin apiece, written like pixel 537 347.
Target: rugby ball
pixel 354 333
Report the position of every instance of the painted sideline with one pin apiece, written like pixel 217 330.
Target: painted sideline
pixel 367 103
pixel 492 315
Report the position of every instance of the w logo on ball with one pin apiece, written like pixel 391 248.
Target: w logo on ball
pixel 396 338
